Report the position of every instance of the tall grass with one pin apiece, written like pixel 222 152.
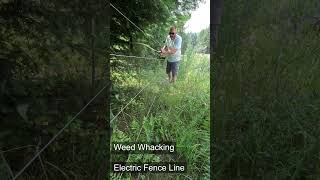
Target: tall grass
pixel 269 86
pixel 171 112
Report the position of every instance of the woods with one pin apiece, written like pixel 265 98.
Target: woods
pixel 52 63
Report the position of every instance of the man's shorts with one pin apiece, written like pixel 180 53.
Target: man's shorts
pixel 172 67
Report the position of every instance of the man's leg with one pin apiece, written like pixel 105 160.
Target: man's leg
pixel 169 71
pixel 174 78
pixel 175 68
pixel 170 77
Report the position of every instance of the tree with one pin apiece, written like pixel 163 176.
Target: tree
pixel 203 43
pixel 153 17
pixel 216 10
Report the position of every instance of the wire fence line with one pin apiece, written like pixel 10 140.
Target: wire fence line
pixel 124 107
pixel 74 117
pixel 66 125
pixel 147 35
pixel 140 130
pixel 57 134
pixel 131 100
pixel 4 161
pixel 146 45
pixel 137 57
pixel 17 148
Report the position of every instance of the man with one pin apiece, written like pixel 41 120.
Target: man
pixel 172 52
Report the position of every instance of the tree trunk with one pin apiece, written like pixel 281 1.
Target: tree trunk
pixel 130 38
pixel 217 104
pixel 92 54
pixel 216 13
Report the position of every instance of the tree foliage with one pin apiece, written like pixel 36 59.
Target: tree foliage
pixel 153 17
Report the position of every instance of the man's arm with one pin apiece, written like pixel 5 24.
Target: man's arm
pixel 172 50
pixel 164 48
pixel 177 46
pixel 163 51
pixel 168 50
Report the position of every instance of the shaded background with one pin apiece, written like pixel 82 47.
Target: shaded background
pixel 53 57
pixel 266 90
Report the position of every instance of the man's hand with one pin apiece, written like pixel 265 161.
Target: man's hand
pixel 167 51
pixel 163 52
pixel 172 50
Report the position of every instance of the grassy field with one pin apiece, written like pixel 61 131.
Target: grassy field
pixel 167 112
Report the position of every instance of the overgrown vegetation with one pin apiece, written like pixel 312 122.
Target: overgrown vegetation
pixel 267 98
pixel 166 112
pixel 162 111
pixel 153 17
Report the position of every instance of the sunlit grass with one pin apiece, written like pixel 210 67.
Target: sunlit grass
pixel 174 112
